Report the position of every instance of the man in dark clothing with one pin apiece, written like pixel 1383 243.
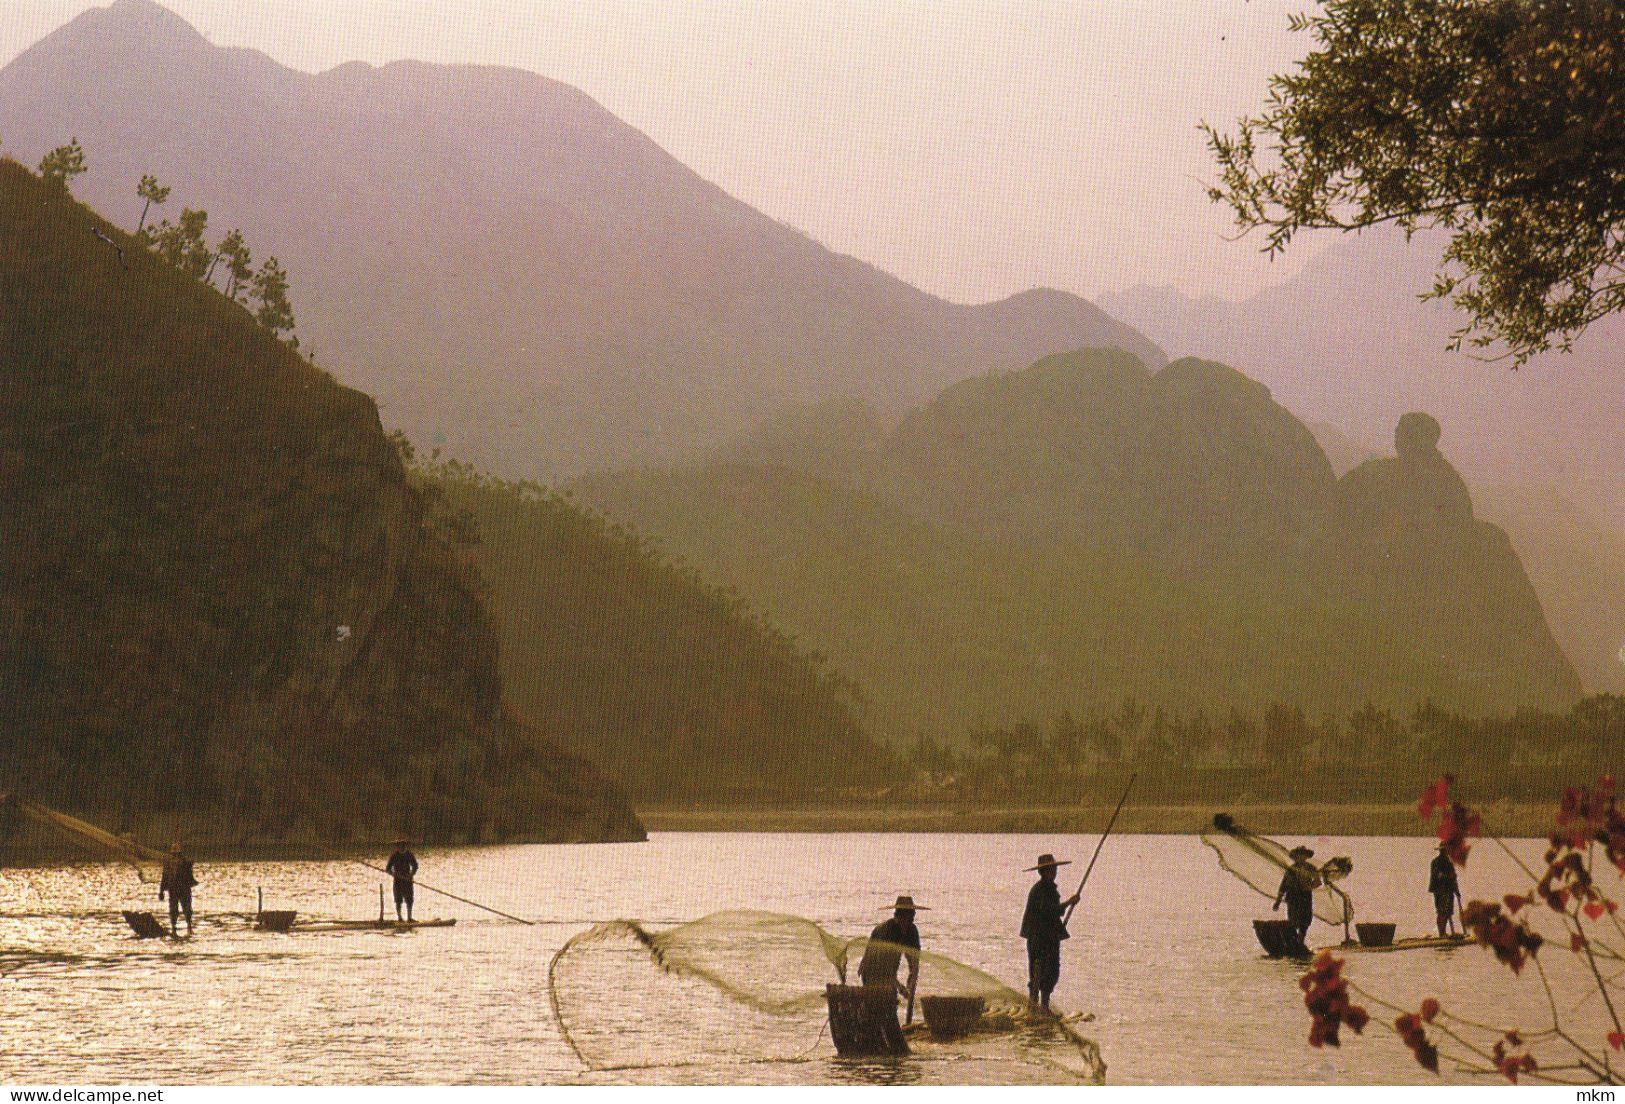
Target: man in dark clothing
pixel 891 942
pixel 177 881
pixel 1043 926
pixel 403 867
pixel 1445 889
pixel 1298 887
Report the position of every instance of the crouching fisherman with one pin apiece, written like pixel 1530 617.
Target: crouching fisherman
pixel 403 867
pixel 1043 926
pixel 177 883
pixel 892 941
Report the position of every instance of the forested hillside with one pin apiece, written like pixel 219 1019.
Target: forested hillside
pixel 220 601
pixel 673 686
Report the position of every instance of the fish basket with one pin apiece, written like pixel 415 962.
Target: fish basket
pixel 1375 935
pixel 863 1021
pixel 951 1017
pixel 1280 939
pixel 275 920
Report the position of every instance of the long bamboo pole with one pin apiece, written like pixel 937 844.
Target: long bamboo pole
pixel 445 893
pixel 1090 868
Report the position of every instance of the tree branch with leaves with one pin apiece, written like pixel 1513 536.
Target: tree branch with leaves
pixel 1500 121
pixel 1566 892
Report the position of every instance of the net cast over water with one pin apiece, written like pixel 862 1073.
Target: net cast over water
pixel 1260 862
pixel 748 986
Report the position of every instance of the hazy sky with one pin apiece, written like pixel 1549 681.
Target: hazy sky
pixel 972 147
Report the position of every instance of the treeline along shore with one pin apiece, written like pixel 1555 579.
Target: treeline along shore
pixel 1280 772
pixel 1511 819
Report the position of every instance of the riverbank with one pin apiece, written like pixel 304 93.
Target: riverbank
pixel 1507 818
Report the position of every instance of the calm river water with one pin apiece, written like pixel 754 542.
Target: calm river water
pixel 1163 956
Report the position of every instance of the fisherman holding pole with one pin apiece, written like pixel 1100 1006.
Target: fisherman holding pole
pixel 1043 925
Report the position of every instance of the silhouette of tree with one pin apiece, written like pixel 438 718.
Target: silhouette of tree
pixel 153 192
pixel 1502 121
pixel 239 263
pixel 270 291
pixel 182 244
pixel 64 163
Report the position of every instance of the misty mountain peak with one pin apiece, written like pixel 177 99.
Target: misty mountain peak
pixel 151 22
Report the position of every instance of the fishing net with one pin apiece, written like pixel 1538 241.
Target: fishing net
pixel 1261 863
pixel 147 862
pixel 746 986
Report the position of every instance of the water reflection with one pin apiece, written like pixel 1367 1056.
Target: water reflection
pixel 1176 980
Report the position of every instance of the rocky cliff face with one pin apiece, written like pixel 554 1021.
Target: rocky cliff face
pixel 219 595
pixel 1401 538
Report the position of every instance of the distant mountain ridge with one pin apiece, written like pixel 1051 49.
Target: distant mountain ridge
pixel 1345 342
pixel 512 271
pixel 1084 530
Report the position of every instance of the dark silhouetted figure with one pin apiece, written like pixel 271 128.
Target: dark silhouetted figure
pixel 403 867
pixel 1043 926
pixel 1445 889
pixel 891 942
pixel 177 883
pixel 1298 887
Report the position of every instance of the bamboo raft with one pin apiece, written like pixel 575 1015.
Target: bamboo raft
pixel 367 925
pixel 1280 940
pixel 147 926
pixel 1417 943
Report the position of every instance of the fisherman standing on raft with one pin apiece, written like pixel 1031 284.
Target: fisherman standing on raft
pixel 403 867
pixel 1445 889
pixel 1298 887
pixel 177 881
pixel 890 942
pixel 1043 926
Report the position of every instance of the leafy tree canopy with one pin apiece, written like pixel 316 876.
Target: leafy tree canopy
pixel 63 163
pixel 1502 121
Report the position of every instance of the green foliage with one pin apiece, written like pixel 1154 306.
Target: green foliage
pixel 239 264
pixel 1500 120
pixel 675 688
pixel 1370 754
pixel 151 192
pixel 182 244
pixel 270 290
pixel 62 164
pixel 218 594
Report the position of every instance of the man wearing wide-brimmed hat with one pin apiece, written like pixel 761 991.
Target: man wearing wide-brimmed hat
pixel 1043 926
pixel 403 867
pixel 177 882
pixel 891 942
pixel 1298 887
